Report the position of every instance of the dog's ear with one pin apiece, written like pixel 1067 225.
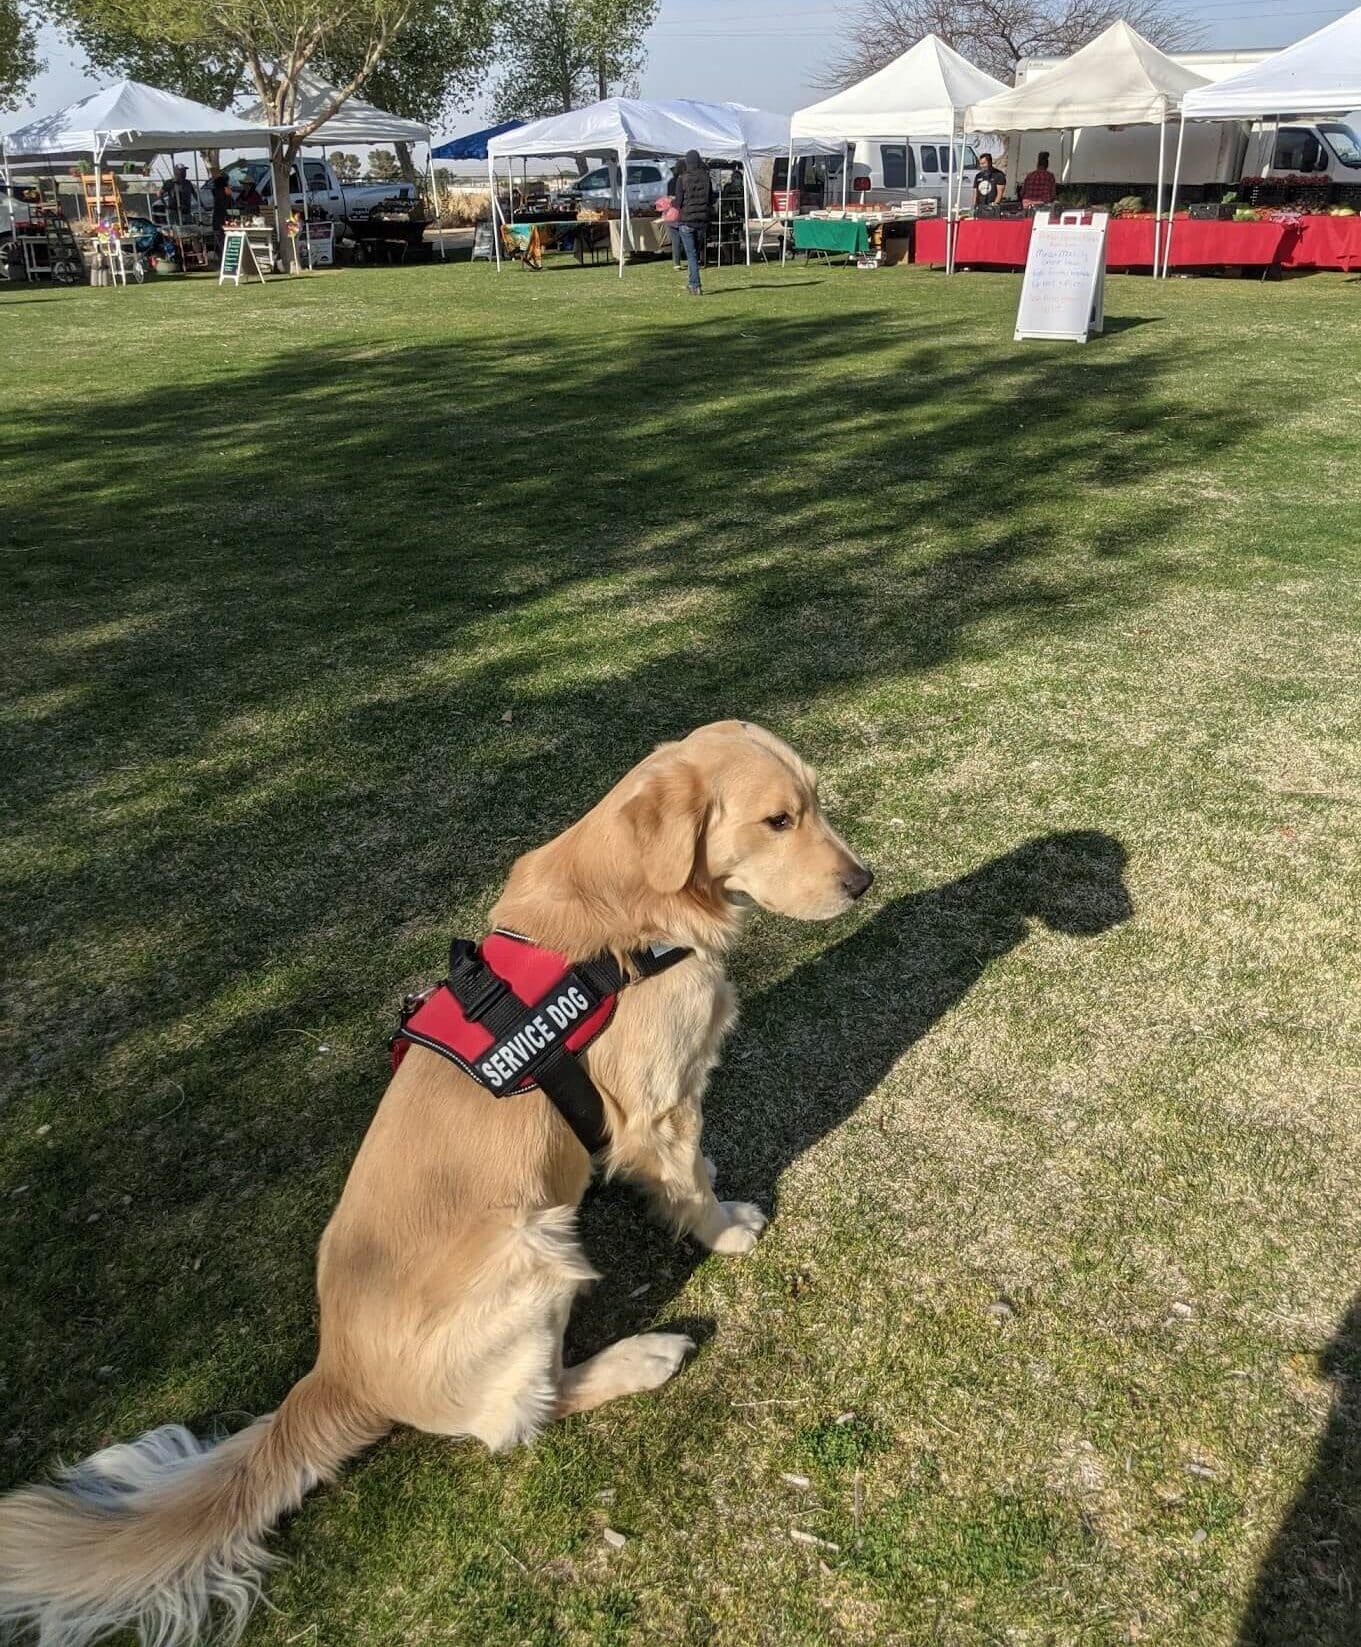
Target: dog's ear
pixel 667 816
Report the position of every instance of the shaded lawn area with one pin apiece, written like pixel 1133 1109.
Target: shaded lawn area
pixel 322 601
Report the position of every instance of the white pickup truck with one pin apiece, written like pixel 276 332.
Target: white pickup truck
pixel 345 202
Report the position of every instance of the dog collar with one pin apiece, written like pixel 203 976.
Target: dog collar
pixel 514 1016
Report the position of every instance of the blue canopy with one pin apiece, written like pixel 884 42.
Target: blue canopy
pixel 472 145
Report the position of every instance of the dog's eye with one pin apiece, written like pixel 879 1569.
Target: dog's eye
pixel 781 820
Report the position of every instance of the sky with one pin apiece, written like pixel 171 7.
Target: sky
pixel 765 52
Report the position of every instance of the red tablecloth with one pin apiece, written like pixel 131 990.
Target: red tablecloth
pixel 1003 242
pixel 1323 243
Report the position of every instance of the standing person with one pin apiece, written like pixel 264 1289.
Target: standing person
pixel 222 195
pixel 177 195
pixel 1039 186
pixel 673 229
pixel 989 185
pixel 693 201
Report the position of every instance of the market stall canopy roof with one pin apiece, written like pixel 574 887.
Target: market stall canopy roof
pixel 925 90
pixel 1320 74
pixel 130 118
pixel 355 121
pixel 1118 79
pixel 472 145
pixel 720 131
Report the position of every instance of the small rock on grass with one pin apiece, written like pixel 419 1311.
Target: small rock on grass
pixel 616 1541
pixel 801 1537
pixel 1001 1313
pixel 799 1481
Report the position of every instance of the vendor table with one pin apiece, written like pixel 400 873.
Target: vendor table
pixel 1316 242
pixel 845 235
pixel 532 240
pixel 646 234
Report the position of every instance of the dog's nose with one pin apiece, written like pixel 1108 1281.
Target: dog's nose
pixel 857 881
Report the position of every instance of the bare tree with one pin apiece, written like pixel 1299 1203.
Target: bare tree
pixel 997 34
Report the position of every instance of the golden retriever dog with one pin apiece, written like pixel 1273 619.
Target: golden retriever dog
pixel 447 1271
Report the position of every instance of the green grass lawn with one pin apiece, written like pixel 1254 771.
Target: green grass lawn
pixel 323 600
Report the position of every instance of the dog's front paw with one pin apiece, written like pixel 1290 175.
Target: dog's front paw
pixel 745 1221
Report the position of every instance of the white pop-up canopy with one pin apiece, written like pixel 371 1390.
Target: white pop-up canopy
pixel 355 121
pixel 1320 74
pixel 720 131
pixel 1118 79
pixel 133 119
pixel 618 127
pixel 926 90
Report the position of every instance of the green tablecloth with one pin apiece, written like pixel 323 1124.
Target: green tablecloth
pixel 831 234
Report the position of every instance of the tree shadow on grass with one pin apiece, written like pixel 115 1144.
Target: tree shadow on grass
pixel 261 656
pixel 811 1048
pixel 1308 1591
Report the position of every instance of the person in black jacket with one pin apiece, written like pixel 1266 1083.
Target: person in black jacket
pixel 693 198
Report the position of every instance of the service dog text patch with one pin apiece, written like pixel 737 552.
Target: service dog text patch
pixel 535 1038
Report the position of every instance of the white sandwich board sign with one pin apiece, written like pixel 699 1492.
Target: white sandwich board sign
pixel 1063 293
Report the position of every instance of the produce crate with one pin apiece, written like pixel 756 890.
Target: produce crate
pixel 1211 212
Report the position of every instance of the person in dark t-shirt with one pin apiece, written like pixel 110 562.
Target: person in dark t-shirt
pixel 990 185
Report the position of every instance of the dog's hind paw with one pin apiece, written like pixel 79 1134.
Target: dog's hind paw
pixel 745 1221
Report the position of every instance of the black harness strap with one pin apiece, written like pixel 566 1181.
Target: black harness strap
pixel 485 999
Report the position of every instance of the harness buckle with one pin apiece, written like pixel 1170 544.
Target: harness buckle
pixel 472 983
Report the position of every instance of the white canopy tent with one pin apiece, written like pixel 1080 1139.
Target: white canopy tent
pixel 620 127
pixel 130 119
pixel 1320 74
pixel 925 91
pixel 1118 79
pixel 355 121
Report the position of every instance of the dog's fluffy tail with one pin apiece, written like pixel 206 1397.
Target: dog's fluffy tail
pixel 151 1535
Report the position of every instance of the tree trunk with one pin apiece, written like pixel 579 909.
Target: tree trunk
pixel 281 160
pixel 602 78
pixel 404 161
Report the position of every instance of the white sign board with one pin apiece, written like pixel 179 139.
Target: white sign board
pixel 1063 294
pixel 317 248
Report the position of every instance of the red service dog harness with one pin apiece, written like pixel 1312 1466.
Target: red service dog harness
pixel 513 1017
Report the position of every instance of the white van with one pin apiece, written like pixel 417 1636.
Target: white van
pixel 882 169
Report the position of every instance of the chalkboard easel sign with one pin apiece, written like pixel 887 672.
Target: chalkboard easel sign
pixel 482 246
pixel 1063 293
pixel 238 258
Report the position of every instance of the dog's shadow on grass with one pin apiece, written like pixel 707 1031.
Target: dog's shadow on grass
pixel 1309 1586
pixel 815 1044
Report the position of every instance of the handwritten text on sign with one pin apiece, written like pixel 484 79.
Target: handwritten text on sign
pixel 1063 292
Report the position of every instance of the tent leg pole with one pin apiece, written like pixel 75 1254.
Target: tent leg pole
pixel 623 209
pixel 788 195
pixel 434 190
pixel 949 196
pixel 495 216
pixel 746 213
pixel 1158 203
pixel 1172 205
